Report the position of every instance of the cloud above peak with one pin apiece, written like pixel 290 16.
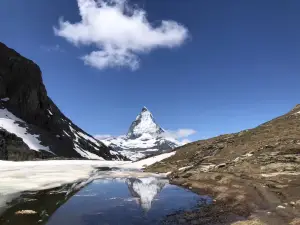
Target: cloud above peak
pixel 119 32
pixel 178 134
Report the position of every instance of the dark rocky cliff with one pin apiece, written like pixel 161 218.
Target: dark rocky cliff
pixel 26 97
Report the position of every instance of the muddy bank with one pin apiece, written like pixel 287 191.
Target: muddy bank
pixel 239 198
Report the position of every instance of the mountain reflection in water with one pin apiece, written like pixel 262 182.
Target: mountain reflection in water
pixel 104 201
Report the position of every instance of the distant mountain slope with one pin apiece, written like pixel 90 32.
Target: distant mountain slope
pixel 31 125
pixel 145 137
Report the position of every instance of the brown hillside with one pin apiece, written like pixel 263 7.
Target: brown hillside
pixel 255 172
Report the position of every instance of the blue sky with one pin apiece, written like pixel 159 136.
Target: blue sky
pixel 225 66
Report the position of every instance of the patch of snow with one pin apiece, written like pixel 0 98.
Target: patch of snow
pixel 132 155
pixel 50 112
pixel 77 148
pixel 168 173
pixel 237 159
pixel 280 207
pixel 86 154
pixel 66 133
pixel 91 139
pixel 149 161
pixel 113 152
pixel 206 168
pixel 10 122
pixel 184 168
pixel 152 150
pixel 249 154
pixel 5 99
pixel 106 142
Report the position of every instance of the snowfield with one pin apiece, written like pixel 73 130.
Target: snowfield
pixel 40 175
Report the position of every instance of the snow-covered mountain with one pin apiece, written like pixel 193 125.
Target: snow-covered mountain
pixel 145 189
pixel 31 125
pixel 145 137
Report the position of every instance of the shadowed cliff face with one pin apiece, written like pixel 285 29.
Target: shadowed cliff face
pixel 23 94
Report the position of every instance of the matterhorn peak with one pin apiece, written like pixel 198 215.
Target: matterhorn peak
pixel 144 124
pixel 144 138
pixel 144 109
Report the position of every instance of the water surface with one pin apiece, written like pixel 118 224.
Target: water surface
pixel 124 201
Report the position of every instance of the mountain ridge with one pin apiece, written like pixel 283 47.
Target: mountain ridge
pixel 27 111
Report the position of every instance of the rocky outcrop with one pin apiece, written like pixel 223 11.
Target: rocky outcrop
pixel 23 94
pixel 254 173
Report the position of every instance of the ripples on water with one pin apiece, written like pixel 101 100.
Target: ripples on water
pixel 118 201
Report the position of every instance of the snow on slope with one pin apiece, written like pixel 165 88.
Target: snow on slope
pixel 15 125
pixel 77 148
pixel 144 124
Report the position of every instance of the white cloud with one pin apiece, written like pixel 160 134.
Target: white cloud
pixel 119 32
pixel 180 133
pixel 52 48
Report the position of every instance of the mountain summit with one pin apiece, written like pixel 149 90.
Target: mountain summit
pixel 144 124
pixel 144 137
